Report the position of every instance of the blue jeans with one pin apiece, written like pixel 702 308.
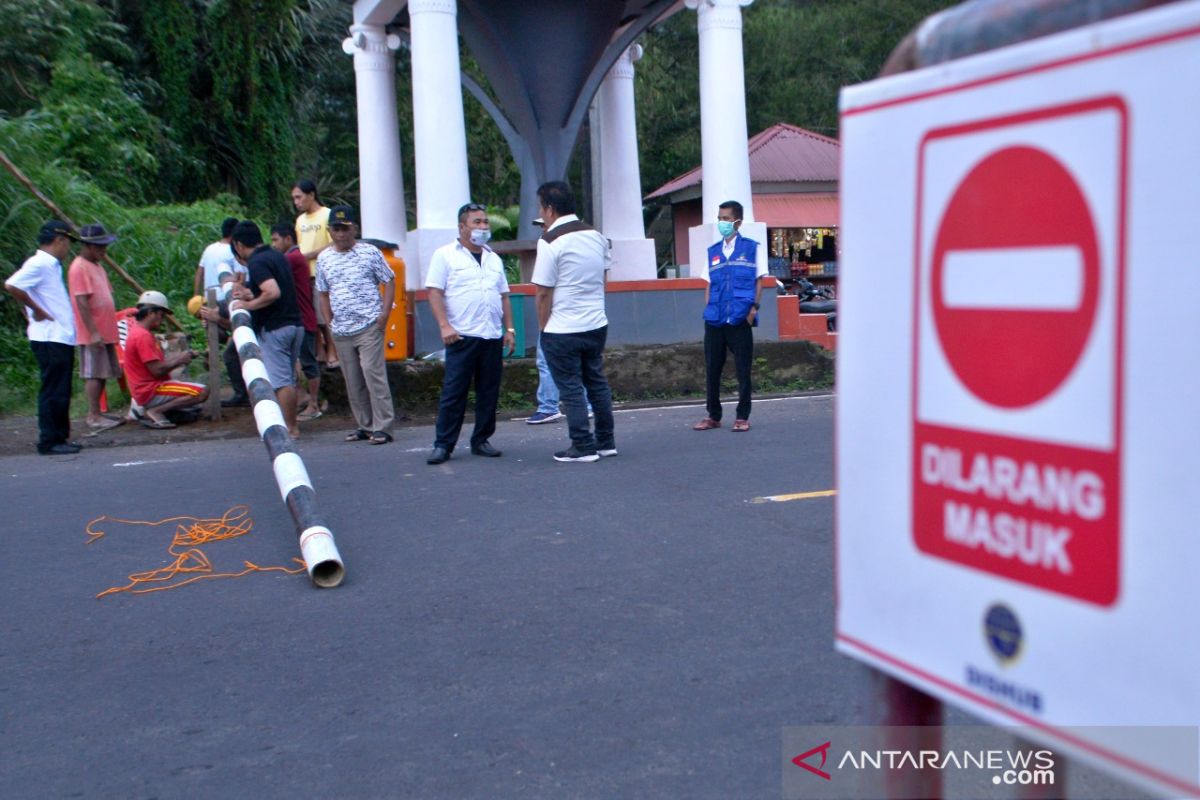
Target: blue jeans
pixel 547 392
pixel 576 362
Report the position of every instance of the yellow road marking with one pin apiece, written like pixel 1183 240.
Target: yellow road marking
pixel 783 498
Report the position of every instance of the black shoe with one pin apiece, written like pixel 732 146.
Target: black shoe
pixel 60 449
pixel 236 402
pixel 485 448
pixel 439 455
pixel 572 454
pixel 606 450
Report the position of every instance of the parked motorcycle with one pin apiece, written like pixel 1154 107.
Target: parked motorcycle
pixel 817 300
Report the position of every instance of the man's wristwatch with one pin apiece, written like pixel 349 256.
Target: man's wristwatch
pixel 511 330
pixel 756 306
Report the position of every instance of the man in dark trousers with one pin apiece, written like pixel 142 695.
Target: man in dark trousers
pixel 269 294
pixel 38 286
pixel 570 273
pixel 732 271
pixel 468 295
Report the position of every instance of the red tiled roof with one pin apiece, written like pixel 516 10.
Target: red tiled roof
pixel 781 154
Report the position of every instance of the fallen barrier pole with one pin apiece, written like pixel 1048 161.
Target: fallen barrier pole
pixel 317 546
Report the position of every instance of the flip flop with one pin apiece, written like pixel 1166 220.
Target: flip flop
pixel 357 436
pixel 309 416
pixel 108 424
pixel 155 424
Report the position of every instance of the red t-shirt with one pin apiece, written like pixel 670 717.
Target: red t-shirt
pixel 140 347
pixel 302 277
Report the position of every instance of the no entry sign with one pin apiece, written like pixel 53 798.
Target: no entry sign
pixel 1020 281
pixel 1018 429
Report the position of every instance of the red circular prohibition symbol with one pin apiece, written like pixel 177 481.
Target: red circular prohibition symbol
pixel 1017 197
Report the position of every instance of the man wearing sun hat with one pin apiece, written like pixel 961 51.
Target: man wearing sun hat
pixel 38 286
pixel 148 370
pixel 95 321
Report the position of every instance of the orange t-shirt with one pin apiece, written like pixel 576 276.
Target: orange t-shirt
pixel 87 278
pixel 140 347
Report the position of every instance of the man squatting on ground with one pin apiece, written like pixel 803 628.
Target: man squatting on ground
pixel 95 321
pixel 270 296
pixel 570 273
pixel 38 287
pixel 732 272
pixel 468 295
pixel 148 371
pixel 349 276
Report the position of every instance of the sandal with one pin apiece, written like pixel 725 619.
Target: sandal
pixel 707 424
pixel 154 424
pixel 741 426
pixel 358 436
pixel 309 416
pixel 380 437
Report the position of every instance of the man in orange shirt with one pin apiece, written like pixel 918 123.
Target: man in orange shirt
pixel 95 321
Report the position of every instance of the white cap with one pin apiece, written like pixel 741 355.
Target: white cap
pixel 157 299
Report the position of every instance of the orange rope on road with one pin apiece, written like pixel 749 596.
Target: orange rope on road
pixel 233 523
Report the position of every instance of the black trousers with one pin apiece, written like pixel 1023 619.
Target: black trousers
pixel 233 366
pixel 470 359
pixel 739 340
pixel 56 363
pixel 576 362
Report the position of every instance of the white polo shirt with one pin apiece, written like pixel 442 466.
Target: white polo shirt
pixel 41 277
pixel 473 289
pixel 574 265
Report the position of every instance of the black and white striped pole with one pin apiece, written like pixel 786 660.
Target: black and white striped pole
pixel 316 540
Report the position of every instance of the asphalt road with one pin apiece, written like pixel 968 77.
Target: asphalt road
pixel 513 627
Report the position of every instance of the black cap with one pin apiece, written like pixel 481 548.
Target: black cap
pixel 342 215
pixel 52 230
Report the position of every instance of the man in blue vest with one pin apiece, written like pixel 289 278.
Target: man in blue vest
pixel 732 271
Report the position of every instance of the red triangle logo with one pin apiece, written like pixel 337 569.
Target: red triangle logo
pixel 823 749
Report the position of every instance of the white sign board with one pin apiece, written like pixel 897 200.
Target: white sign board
pixel 1019 385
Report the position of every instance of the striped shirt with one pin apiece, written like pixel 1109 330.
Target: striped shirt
pixel 352 280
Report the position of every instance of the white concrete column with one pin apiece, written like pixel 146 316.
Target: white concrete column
pixel 723 136
pixel 439 130
pixel 380 173
pixel 620 216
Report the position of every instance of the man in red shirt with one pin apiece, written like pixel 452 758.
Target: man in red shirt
pixel 148 371
pixel 283 240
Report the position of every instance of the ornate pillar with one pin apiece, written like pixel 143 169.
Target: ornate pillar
pixel 439 130
pixel 620 207
pixel 723 137
pixel 380 174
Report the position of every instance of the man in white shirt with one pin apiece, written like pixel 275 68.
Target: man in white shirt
pixel 570 273
pixel 468 295
pixel 38 286
pixel 216 259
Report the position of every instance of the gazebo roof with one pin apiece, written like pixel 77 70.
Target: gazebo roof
pixel 781 154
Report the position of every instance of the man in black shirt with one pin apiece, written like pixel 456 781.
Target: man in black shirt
pixel 269 294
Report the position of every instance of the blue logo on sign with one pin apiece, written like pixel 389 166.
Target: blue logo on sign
pixel 1003 633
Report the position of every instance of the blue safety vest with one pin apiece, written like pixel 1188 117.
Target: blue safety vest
pixel 732 282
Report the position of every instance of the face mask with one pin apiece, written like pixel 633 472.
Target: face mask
pixel 725 228
pixel 480 236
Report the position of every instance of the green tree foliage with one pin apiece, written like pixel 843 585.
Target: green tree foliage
pixel 797 56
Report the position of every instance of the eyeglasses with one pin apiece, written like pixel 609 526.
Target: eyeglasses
pixel 471 207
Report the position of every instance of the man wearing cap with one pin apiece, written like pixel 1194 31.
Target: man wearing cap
pixel 269 294
pixel 349 277
pixel 38 286
pixel 95 321
pixel 148 371
pixel 468 295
